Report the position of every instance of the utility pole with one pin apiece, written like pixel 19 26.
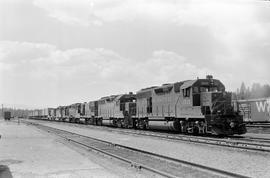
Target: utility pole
pixel 3 110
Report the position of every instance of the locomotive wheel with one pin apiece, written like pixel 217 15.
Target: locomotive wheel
pixel 99 122
pixel 196 131
pixel 118 123
pixel 142 125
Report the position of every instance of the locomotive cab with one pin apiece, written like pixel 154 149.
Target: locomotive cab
pixel 200 93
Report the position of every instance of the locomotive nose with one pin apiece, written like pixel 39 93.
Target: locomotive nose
pixel 211 98
pixel 206 98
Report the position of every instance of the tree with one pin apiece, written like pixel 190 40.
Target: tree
pixel 256 90
pixel 247 93
pixel 242 93
pixel 265 91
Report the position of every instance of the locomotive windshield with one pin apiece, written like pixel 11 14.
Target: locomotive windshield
pixel 209 88
pixel 206 89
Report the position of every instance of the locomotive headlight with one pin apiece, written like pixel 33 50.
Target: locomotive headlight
pixel 232 124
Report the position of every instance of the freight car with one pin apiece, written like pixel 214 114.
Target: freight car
pixel 200 106
pixel 254 110
pixel 41 113
pixel 7 115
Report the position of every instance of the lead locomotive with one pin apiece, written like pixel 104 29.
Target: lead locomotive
pixel 194 106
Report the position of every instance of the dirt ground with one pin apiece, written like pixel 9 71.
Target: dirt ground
pixel 28 152
pixel 252 164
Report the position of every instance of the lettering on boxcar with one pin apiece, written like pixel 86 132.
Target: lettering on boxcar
pixel 263 106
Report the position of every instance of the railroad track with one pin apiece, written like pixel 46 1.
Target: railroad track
pixel 266 125
pixel 264 130
pixel 252 139
pixel 140 159
pixel 250 144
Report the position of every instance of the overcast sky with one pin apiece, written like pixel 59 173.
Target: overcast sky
pixel 58 52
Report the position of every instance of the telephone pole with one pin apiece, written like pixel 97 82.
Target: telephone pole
pixel 3 110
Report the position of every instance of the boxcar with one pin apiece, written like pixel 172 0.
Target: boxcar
pixel 254 110
pixel 7 115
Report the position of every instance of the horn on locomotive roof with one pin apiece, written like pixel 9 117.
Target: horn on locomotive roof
pixel 209 77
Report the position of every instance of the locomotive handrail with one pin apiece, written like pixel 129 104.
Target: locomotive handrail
pixel 176 105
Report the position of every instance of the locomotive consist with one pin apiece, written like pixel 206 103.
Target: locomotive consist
pixel 200 106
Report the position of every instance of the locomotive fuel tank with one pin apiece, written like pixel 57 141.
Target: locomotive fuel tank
pixel 164 125
pixel 107 122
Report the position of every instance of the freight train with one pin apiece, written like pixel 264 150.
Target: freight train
pixel 254 110
pixel 200 106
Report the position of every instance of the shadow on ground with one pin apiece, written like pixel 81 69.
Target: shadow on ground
pixel 5 172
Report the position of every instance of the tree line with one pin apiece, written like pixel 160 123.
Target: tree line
pixel 255 91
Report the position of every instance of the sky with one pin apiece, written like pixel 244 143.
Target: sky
pixel 59 52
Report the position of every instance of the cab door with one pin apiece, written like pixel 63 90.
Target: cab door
pixel 196 97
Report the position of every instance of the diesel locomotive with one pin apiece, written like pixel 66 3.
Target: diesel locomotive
pixel 200 106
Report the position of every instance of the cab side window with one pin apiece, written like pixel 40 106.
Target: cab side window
pixel 186 92
pixel 195 90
